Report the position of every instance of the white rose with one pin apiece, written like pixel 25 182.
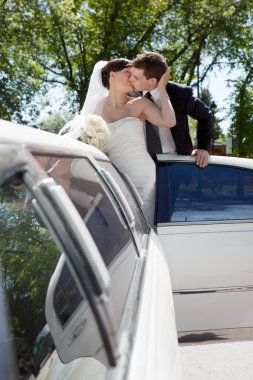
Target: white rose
pixel 95 132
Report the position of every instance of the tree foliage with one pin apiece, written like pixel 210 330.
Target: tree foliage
pixel 242 117
pixel 207 98
pixel 53 123
pixel 48 42
pixel 28 256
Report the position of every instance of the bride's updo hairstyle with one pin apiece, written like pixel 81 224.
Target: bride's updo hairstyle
pixel 115 65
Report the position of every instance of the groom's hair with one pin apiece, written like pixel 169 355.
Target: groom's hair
pixel 115 65
pixel 153 64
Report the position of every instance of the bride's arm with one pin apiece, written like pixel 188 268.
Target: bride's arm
pixel 165 115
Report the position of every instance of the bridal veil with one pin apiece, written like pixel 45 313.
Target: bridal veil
pixel 93 103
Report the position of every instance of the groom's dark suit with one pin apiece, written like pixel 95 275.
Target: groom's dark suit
pixel 184 104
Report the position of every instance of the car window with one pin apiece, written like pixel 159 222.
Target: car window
pixel 84 187
pixel 140 223
pixel 42 349
pixel 103 220
pixel 187 193
pixel 67 296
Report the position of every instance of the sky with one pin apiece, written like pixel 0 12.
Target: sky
pixel 218 87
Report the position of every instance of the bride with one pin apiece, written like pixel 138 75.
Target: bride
pixel 108 96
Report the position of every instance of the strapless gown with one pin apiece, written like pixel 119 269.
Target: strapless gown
pixel 127 150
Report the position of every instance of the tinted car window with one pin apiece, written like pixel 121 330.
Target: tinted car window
pixel 84 187
pixel 187 193
pixel 140 223
pixel 66 297
pixel 43 347
pixel 103 220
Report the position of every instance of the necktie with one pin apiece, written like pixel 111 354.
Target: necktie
pixel 154 145
pixel 149 96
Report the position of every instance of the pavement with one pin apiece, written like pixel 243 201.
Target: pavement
pixel 221 361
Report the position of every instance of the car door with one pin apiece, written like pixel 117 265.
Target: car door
pixel 129 248
pixel 205 223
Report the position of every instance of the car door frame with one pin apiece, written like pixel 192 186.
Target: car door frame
pixel 213 306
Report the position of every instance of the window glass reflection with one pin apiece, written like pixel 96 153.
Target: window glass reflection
pixel 84 187
pixel 188 193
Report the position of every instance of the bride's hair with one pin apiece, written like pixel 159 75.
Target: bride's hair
pixel 96 95
pixel 115 65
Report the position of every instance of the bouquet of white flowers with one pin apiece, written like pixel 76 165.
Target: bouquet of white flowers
pixel 95 132
pixel 91 129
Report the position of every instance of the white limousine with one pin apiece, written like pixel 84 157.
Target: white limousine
pixel 109 303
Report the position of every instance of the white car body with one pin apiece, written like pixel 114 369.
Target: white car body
pixel 208 242
pixel 123 322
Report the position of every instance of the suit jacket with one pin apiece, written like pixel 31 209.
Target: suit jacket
pixel 184 104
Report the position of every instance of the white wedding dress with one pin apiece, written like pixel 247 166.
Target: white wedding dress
pixel 127 150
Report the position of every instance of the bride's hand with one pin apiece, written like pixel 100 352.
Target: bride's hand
pixel 164 80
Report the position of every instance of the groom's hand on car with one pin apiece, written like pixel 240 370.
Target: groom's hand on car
pixel 201 157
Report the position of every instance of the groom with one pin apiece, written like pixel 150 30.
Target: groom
pixel 147 69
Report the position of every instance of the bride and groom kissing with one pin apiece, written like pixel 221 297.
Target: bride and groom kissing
pixel 131 146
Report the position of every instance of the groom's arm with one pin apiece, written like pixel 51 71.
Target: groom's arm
pixel 199 111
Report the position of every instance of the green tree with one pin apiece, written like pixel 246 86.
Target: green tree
pixel 53 123
pixel 218 135
pixel 242 118
pixel 207 98
pixel 50 42
pixel 18 86
pixel 28 256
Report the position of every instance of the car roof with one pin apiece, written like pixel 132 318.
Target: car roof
pixel 38 140
pixel 246 163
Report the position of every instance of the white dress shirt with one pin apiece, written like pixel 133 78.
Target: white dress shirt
pixel 168 145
